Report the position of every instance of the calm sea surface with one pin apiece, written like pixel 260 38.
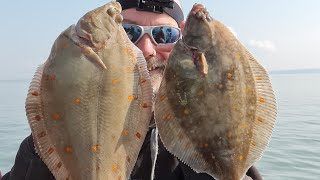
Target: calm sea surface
pixel 293 153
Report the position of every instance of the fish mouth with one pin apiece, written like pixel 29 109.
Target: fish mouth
pixel 201 12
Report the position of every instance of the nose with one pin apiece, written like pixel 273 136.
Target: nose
pixel 146 45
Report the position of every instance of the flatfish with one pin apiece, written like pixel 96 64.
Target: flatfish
pixel 215 109
pixel 89 105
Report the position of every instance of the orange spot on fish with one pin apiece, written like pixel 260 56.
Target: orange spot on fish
pixel 167 117
pixel 188 145
pixel 200 93
pixel 59 165
pixel 259 78
pixel 115 81
pixel 50 150
pixel 162 98
pixel 143 80
pixel 229 75
pixel 145 105
pixel 229 134
pixel 186 111
pixel 94 148
pixel 262 100
pixel 125 50
pixel 35 93
pixel 130 98
pixel 77 100
pixel 204 145
pixel 244 125
pixel 129 52
pixel 42 134
pixel 240 157
pixel 68 149
pixel 119 177
pixel 238 57
pixel 259 119
pixel 37 118
pixel 129 69
pixel 55 116
pixel 64 45
pixel 246 90
pixel 138 135
pixel 114 167
pixel 51 77
pixel 124 132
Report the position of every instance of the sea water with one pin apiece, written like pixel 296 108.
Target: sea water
pixel 293 152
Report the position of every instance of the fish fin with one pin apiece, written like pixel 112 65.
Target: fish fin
pixel 200 62
pixel 35 116
pixel 203 64
pixel 177 142
pixel 140 111
pixel 71 34
pixel 266 111
pixel 91 55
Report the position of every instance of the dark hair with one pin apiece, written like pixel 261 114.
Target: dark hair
pixel 157 6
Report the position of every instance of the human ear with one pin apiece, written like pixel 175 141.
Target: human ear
pixel 182 25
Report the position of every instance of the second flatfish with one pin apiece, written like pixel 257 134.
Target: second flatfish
pixel 215 108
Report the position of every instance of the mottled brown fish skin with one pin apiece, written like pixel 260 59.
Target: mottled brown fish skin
pixel 214 111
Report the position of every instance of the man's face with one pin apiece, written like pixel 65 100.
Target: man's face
pixel 155 55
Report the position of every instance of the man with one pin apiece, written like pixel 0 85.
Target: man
pixel 156 47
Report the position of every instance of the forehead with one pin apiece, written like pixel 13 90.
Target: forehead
pixel 147 18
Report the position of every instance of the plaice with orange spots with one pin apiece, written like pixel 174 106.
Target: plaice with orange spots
pixel 89 105
pixel 216 118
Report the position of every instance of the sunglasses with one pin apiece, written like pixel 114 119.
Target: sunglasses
pixel 158 34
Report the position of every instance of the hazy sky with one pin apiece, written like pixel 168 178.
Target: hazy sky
pixel 282 34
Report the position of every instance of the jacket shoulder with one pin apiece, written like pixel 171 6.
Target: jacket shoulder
pixel 28 165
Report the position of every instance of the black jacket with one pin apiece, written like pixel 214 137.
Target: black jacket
pixel 28 165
